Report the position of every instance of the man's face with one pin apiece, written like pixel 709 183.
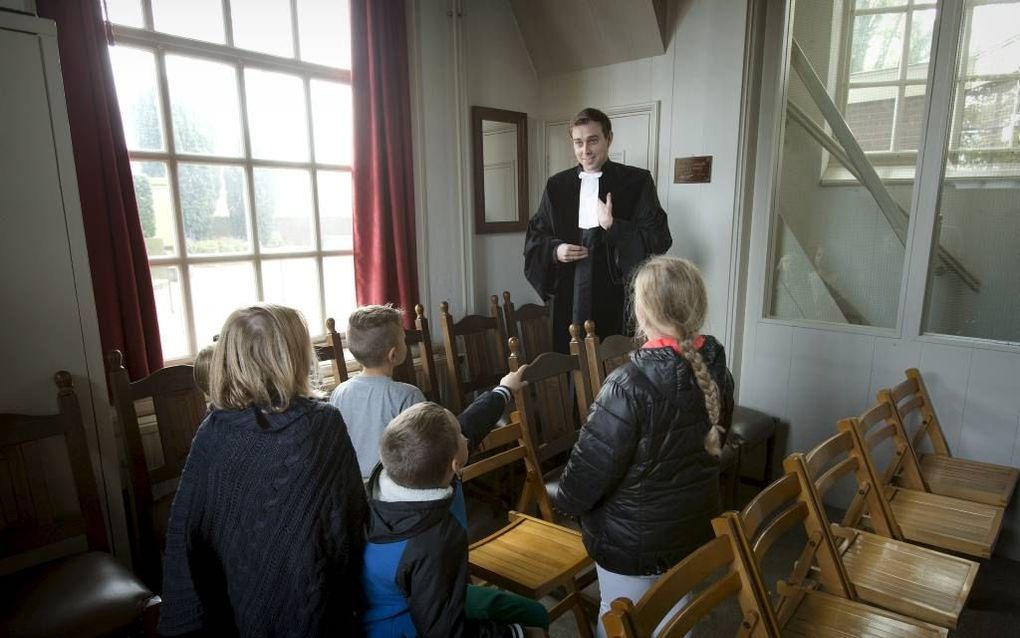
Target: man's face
pixel 591 146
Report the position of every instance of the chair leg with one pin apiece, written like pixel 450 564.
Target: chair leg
pixel 583 624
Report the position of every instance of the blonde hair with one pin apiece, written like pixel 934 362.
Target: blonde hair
pixel 200 371
pixel 372 331
pixel 669 293
pixel 418 446
pixel 264 357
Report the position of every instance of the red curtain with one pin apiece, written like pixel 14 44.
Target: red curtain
pixel 385 265
pixel 113 232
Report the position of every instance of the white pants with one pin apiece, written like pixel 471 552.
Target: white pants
pixel 613 586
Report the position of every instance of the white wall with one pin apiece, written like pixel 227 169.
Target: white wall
pixel 697 84
pixel 811 376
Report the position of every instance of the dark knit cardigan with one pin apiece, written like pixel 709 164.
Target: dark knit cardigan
pixel 265 533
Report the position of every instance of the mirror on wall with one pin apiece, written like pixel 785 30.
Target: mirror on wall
pixel 500 160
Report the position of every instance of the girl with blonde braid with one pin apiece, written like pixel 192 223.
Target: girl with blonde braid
pixel 643 476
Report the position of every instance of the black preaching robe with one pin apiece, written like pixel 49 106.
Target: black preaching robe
pixel 594 287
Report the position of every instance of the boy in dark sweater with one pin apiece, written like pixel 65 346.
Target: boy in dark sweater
pixel 415 577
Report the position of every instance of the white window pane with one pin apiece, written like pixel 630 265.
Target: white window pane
pixel 990 117
pixel 911 118
pixel 214 202
pixel 295 283
pixel 325 32
pixel 335 210
pixel 283 208
pixel 155 207
pixel 333 121
pixel 134 74
pixel 879 4
pixel 869 113
pixel 277 120
pixel 263 25
pixel 195 19
pixel 216 291
pixel 994 39
pixel 876 47
pixel 338 277
pixel 126 12
pixel 173 329
pixel 204 106
pixel 922 26
pixel 978 225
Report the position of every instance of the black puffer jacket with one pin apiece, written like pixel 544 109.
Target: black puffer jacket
pixel 639 477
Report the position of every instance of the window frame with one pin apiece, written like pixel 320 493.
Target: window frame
pixel 898 166
pixel 162 44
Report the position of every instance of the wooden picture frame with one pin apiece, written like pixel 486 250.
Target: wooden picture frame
pixel 480 115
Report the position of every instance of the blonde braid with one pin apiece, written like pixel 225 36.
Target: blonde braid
pixel 713 440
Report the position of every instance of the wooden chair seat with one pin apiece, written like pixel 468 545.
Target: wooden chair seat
pixel 942 521
pixel 883 571
pixel 969 480
pixel 912 580
pixel 530 557
pixel 821 615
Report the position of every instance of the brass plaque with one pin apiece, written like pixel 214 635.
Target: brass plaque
pixel 693 170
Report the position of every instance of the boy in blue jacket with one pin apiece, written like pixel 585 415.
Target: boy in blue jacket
pixel 415 577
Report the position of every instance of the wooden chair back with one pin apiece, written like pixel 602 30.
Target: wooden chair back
pixel 911 396
pixel 531 323
pixel 420 372
pixel 605 355
pixel 483 352
pixel 548 411
pixel 881 424
pixel 638 619
pixel 779 508
pixel 30 516
pixel 829 463
pixel 178 407
pixel 504 446
pixel 333 351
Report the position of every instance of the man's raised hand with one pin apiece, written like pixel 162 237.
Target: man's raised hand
pixel 605 211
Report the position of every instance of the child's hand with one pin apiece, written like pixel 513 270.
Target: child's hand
pixel 513 381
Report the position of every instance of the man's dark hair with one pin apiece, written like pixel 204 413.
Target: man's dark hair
pixel 592 115
pixel 418 445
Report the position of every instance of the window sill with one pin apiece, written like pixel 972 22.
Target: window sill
pixel 905 175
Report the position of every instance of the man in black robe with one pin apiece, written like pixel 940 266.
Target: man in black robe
pixel 596 222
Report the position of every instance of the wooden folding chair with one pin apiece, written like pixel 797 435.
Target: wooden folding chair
pixel 803 608
pixel 899 576
pixel 82 594
pixel 420 372
pixel 628 619
pixel 605 355
pixel 179 407
pixel 333 351
pixel 531 556
pixel 942 473
pixel 914 514
pixel 483 352
pixel 531 323
pixel 547 409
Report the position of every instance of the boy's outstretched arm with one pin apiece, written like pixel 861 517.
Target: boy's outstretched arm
pixel 478 419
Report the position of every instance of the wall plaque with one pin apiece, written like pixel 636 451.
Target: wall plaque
pixel 693 170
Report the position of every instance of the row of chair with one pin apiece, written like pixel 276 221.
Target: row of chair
pixel 883 570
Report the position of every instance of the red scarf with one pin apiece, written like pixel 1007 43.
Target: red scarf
pixel 663 342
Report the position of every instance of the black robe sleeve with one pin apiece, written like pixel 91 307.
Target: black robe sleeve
pixel 540 265
pixel 646 233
